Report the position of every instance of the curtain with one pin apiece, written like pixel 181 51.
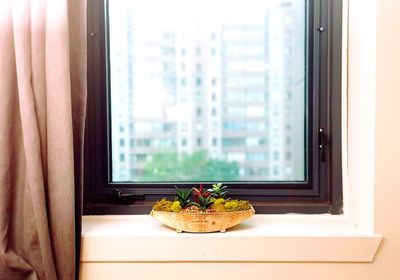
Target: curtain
pixel 42 112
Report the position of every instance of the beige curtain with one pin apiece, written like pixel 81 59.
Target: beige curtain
pixel 42 110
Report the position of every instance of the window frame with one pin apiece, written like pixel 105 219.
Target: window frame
pixel 322 193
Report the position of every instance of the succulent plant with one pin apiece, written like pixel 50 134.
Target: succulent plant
pixel 183 196
pixel 203 198
pixel 204 202
pixel 218 190
pixel 213 199
pixel 200 193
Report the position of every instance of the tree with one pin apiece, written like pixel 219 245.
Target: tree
pixel 189 167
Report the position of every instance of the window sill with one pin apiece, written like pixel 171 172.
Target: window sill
pixel 263 238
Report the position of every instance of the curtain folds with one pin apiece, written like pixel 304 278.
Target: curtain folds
pixel 42 113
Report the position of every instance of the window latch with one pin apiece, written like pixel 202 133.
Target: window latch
pixel 321 144
pixel 123 198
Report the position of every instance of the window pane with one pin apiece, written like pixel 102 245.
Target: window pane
pixel 207 90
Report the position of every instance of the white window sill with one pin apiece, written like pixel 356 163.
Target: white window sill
pixel 263 238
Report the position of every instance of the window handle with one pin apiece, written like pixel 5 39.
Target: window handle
pixel 321 144
pixel 123 198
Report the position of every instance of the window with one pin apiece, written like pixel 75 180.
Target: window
pixel 274 121
pixel 198 67
pixel 184 142
pixel 183 82
pixel 198 81
pixel 214 141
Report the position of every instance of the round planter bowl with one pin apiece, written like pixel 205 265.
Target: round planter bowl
pixel 202 222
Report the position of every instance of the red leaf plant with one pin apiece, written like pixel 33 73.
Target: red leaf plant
pixel 197 193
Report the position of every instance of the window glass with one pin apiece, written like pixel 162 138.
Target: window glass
pixel 241 62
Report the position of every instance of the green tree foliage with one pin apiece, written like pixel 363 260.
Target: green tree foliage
pixel 189 167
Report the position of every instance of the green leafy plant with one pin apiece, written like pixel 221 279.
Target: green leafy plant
pixel 218 190
pixel 183 196
pixel 167 166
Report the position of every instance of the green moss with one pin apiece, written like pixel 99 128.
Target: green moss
pixel 163 205
pixel 231 205
pixel 176 206
pixel 219 207
pixel 243 205
pixel 219 201
pixel 237 205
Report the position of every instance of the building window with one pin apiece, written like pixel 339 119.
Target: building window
pixel 198 112
pixel 214 141
pixel 199 96
pixel 276 95
pixel 183 82
pixel 184 142
pixel 198 81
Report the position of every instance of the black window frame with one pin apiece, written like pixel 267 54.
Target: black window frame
pixel 323 191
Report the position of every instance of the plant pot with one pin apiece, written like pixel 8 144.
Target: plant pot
pixel 202 222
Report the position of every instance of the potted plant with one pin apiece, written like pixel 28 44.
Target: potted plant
pixel 199 210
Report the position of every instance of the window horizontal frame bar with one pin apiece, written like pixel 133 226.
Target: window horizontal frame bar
pixel 231 185
pixel 239 190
